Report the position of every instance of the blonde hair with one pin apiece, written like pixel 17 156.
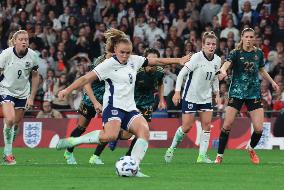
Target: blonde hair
pixel 240 45
pixel 210 35
pixel 114 37
pixel 15 35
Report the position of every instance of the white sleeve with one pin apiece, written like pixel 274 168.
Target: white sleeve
pixel 35 61
pixel 3 59
pixel 103 69
pixel 139 61
pixel 192 64
pixel 183 72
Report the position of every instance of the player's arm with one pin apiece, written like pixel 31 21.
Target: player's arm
pixel 215 87
pixel 183 72
pixel 35 83
pixel 90 93
pixel 82 81
pixel 162 104
pixel 266 76
pixel 225 67
pixel 167 61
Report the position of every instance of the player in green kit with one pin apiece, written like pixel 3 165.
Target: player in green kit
pixel 90 106
pixel 148 80
pixel 247 63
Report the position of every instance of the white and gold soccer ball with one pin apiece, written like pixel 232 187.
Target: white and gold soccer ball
pixel 126 166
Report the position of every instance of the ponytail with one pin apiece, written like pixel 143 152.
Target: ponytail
pixel 114 37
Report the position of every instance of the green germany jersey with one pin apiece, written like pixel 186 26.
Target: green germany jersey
pixel 145 86
pixel 245 82
pixel 97 86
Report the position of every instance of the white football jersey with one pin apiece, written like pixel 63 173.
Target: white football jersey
pixel 199 82
pixel 16 72
pixel 120 81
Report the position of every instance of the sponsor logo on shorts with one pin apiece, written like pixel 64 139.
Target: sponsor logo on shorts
pixel 190 106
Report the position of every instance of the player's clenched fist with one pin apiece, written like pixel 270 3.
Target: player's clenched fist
pixel 62 94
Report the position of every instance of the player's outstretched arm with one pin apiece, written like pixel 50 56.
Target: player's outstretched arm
pixel 167 61
pixel 87 78
pixel 266 76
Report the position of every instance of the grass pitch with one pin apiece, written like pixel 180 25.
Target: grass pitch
pixel 46 169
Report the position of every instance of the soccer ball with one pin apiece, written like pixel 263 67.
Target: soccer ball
pixel 126 166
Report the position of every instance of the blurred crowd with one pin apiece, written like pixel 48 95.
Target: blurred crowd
pixel 67 35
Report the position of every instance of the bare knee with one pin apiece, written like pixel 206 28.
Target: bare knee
pixel 206 125
pixel 143 132
pixel 105 137
pixel 10 120
pixel 186 127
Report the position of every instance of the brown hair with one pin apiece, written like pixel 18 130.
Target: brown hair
pixel 15 35
pixel 114 37
pixel 240 45
pixel 210 35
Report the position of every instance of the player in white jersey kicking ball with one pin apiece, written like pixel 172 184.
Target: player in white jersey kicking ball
pixel 119 108
pixel 17 63
pixel 197 95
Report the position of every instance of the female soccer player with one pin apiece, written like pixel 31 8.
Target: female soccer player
pixel 247 63
pixel 148 79
pixel 119 73
pixel 17 63
pixel 197 95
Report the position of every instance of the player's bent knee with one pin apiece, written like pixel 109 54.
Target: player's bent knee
pixel 143 133
pixel 206 125
pixel 186 128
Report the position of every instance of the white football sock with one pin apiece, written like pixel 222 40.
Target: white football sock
pixel 89 138
pixel 8 139
pixel 204 142
pixel 139 149
pixel 177 138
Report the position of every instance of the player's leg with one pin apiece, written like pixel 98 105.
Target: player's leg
pixel 82 124
pixel 9 120
pixel 138 126
pixel 188 115
pixel 147 114
pixel 19 115
pixel 95 158
pixel 257 118
pixel 205 118
pixel 187 122
pixel 112 118
pixel 109 133
pixel 230 114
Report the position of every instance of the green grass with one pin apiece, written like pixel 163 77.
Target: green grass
pixel 46 169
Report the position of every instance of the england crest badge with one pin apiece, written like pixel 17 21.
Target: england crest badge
pixel 32 133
